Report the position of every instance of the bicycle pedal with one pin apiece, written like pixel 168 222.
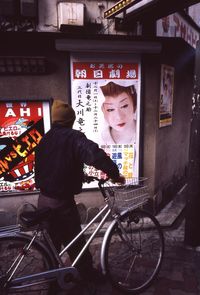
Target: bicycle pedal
pixel 3 283
pixel 68 278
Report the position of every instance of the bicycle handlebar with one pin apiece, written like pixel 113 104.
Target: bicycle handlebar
pixel 89 179
pixel 101 182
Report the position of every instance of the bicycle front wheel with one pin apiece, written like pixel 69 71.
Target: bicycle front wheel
pixel 133 251
pixel 36 260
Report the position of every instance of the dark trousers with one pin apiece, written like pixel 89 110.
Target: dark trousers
pixel 63 226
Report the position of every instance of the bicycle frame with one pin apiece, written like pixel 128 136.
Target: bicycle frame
pixel 58 273
pixel 126 220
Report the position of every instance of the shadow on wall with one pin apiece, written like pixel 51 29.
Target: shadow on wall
pixel 168 192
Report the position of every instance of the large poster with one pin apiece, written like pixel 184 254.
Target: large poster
pixel 22 125
pixel 106 99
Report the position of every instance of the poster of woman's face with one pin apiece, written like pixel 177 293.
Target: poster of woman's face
pixel 119 109
pixel 106 99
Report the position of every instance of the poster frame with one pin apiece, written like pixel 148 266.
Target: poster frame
pixel 166 95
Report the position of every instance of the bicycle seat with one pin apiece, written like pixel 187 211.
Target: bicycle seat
pixel 31 218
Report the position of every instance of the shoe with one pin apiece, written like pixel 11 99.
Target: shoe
pixel 197 248
pixel 89 288
pixel 97 276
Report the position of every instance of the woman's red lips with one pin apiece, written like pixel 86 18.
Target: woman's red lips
pixel 121 125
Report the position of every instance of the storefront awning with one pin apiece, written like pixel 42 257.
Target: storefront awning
pixel 123 46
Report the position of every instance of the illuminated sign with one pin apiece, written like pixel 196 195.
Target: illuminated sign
pixel 118 7
pixel 123 5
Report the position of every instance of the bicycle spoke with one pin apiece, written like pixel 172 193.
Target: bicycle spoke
pixel 34 261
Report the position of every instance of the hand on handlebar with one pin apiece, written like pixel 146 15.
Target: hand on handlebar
pixel 121 179
pixel 87 178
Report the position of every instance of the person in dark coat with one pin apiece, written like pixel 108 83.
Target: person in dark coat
pixel 59 163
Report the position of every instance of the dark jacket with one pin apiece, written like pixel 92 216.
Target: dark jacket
pixel 59 161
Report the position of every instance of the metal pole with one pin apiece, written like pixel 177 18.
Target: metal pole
pixel 192 230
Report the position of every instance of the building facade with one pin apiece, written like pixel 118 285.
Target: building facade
pixel 45 41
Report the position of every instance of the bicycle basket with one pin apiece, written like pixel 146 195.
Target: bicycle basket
pixel 132 195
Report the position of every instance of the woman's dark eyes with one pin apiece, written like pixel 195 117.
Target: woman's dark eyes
pixel 124 106
pixel 110 110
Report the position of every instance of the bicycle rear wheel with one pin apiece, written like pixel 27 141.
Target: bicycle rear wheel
pixel 36 260
pixel 133 251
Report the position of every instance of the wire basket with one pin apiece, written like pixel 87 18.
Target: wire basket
pixel 132 195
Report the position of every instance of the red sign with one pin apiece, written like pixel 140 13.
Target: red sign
pixel 105 71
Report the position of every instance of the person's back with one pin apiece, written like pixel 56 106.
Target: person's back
pixel 59 168
pixel 60 158
pixel 59 161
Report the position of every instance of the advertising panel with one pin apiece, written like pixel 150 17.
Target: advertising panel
pixel 174 25
pixel 22 125
pixel 166 95
pixel 106 99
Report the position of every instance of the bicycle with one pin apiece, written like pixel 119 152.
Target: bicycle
pixel 131 252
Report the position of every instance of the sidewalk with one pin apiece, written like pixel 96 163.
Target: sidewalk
pixel 180 271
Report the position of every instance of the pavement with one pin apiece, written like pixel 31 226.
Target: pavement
pixel 180 270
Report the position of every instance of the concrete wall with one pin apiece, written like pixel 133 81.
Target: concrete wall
pixel 52 84
pixel 150 89
pixel 166 149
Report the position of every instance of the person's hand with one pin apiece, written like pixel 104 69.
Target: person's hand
pixel 120 179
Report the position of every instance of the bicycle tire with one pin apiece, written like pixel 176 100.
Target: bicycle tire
pixel 132 268
pixel 36 260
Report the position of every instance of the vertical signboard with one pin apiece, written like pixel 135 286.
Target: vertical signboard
pixel 106 99
pixel 22 125
pixel 166 95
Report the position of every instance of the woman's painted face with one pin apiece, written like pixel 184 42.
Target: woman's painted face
pixel 118 111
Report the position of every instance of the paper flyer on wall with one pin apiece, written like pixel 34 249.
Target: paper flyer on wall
pixel 166 95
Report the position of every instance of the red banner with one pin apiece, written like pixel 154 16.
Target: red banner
pixel 105 71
